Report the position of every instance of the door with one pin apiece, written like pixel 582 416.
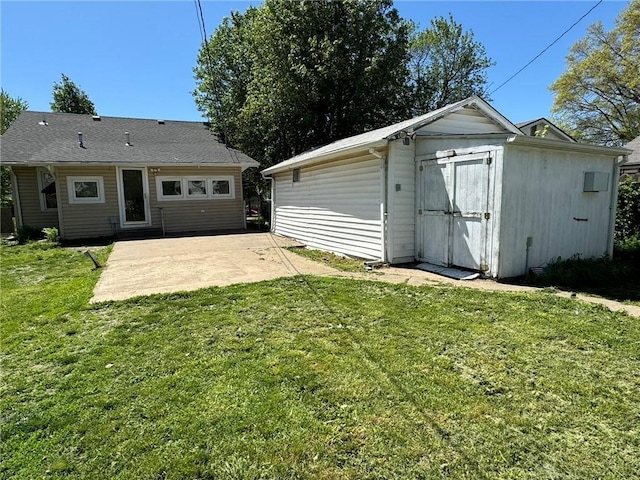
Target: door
pixel 453 216
pixel 133 190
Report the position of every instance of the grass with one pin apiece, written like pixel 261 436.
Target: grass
pixel 309 377
pixel 338 262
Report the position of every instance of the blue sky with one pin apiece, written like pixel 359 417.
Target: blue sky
pixel 135 59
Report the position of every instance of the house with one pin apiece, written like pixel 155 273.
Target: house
pixel 460 186
pixel 541 127
pixel 632 167
pixel 93 176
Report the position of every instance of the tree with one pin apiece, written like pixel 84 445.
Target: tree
pixel 10 108
pixel 288 76
pixel 446 65
pixel 597 98
pixel 69 98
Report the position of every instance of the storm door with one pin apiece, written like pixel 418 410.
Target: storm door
pixel 134 196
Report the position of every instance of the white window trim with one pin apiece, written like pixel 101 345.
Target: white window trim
pixel 223 178
pixel 71 190
pixel 161 196
pixel 185 188
pixel 41 185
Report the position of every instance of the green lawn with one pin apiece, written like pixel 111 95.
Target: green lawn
pixel 309 378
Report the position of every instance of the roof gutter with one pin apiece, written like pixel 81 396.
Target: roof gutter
pixel 365 147
pixel 526 141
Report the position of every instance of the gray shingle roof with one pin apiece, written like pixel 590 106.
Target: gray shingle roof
pixel 28 141
pixel 635 146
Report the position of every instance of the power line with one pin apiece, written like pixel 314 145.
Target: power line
pixel 546 48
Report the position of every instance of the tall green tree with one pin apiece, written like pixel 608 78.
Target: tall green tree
pixel 69 98
pixel 10 108
pixel 288 76
pixel 597 98
pixel 446 65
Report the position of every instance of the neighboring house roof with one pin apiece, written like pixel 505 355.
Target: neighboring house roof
pixel 525 126
pixel 380 136
pixel 634 157
pixel 42 138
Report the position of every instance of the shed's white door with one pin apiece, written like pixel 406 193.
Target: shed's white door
pixel 453 215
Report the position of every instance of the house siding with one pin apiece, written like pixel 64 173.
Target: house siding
pixel 94 220
pixel 29 195
pixel 197 215
pixel 334 207
pixel 88 220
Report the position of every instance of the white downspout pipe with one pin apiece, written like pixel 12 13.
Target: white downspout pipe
pixel 383 203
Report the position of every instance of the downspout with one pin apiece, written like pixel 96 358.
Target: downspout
pixel 15 194
pixel 244 210
pixel 58 201
pixel 383 203
pixel 615 180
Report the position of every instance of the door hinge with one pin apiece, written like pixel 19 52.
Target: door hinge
pixel 489 160
pixel 421 168
pixel 487 216
pixel 419 212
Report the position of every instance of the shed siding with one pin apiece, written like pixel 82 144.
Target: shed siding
pixel 543 198
pixel 401 204
pixel 32 213
pixel 465 121
pixel 333 207
pixel 197 215
pixel 91 219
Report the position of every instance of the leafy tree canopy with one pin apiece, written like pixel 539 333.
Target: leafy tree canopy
pixel 446 65
pixel 289 76
pixel 597 98
pixel 10 108
pixel 69 98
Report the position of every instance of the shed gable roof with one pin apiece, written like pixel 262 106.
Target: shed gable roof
pixel 384 134
pixel 52 138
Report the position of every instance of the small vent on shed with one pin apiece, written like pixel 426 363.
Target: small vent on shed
pixel 160 122
pixel 96 118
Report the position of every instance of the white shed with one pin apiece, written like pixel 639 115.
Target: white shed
pixel 460 186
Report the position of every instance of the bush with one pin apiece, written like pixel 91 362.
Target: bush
pixel 628 210
pixel 27 233
pixel 51 234
pixel 580 273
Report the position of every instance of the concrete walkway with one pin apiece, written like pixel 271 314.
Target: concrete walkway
pixel 144 267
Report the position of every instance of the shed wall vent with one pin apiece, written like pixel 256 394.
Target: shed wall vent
pixel 596 182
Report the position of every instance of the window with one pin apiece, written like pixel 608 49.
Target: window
pixel 197 188
pixel 222 187
pixel 296 174
pixel 189 188
pixel 85 189
pixel 170 188
pixel 47 189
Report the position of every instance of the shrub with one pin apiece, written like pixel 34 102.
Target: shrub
pixel 51 234
pixel 26 233
pixel 580 273
pixel 628 210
